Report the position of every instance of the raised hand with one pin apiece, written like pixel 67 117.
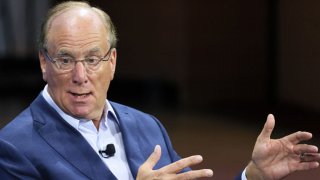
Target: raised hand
pixel 277 158
pixel 171 171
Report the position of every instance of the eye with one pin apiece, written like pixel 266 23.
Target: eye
pixel 92 60
pixel 65 60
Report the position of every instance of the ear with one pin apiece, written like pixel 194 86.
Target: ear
pixel 113 62
pixel 43 66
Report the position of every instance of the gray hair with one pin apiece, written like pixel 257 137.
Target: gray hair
pixel 64 6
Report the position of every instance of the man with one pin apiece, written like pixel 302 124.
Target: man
pixel 71 130
pixel 65 131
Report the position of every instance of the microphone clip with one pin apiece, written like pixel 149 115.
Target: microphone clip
pixel 108 152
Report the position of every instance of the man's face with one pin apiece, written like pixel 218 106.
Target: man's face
pixel 78 33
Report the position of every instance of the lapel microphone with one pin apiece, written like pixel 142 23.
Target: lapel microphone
pixel 108 152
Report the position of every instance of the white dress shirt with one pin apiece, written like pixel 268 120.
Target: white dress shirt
pixel 108 133
pixel 243 175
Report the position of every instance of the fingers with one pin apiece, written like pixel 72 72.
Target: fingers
pixel 299 136
pixel 267 129
pixel 181 164
pixel 195 174
pixel 307 165
pixel 170 171
pixel 309 157
pixel 304 148
pixel 153 158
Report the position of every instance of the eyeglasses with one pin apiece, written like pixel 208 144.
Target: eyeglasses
pixel 67 63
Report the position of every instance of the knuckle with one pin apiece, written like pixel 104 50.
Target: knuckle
pixel 157 174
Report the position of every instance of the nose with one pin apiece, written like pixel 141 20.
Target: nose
pixel 79 74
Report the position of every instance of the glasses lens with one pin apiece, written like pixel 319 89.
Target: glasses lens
pixel 68 63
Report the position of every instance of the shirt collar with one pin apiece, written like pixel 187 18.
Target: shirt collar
pixel 75 122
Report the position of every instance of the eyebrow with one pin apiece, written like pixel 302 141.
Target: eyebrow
pixel 94 50
pixel 65 52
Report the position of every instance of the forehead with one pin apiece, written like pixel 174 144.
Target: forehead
pixel 78 25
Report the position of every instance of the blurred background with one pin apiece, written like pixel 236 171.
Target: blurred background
pixel 211 71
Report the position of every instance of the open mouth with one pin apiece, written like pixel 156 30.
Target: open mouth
pixel 82 95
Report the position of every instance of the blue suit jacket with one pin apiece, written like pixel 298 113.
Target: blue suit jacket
pixel 58 151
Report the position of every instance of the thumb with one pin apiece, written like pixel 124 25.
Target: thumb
pixel 153 158
pixel 267 129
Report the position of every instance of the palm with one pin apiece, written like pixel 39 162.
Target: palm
pixel 277 158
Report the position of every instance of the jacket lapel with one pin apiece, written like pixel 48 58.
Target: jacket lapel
pixel 67 141
pixel 131 140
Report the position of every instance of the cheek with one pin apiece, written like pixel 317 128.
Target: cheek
pixel 102 82
pixel 56 81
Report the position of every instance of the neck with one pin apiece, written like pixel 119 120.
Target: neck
pixel 96 123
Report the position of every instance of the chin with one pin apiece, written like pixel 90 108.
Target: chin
pixel 81 113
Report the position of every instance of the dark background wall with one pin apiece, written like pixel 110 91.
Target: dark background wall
pixel 204 48
pixel 233 59
pixel 203 53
